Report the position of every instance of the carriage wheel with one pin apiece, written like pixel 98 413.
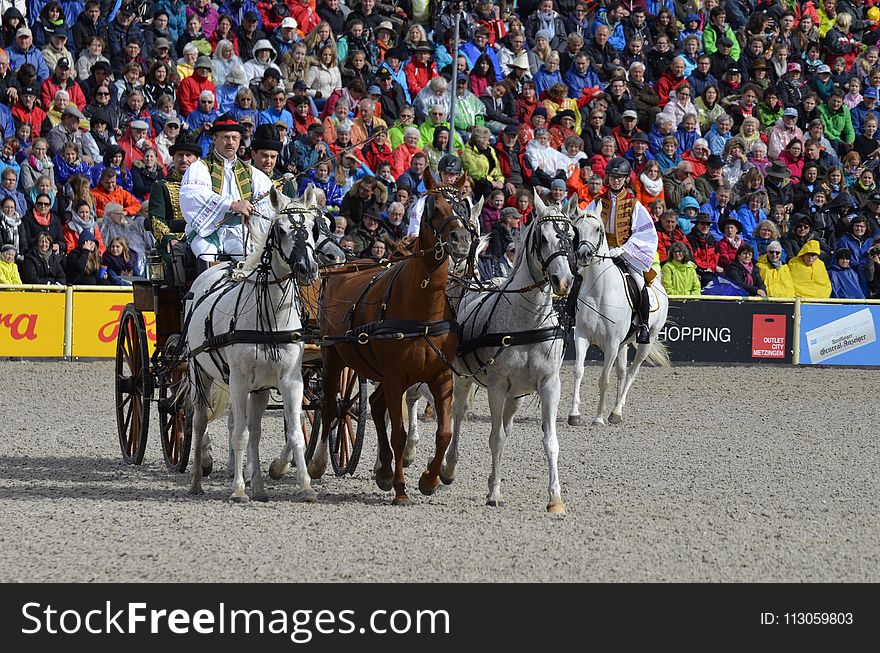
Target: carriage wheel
pixel 311 408
pixel 347 429
pixel 134 386
pixel 175 408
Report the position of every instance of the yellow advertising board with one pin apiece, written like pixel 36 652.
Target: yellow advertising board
pixel 96 323
pixel 32 324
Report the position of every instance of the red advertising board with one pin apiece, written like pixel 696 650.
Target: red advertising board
pixel 768 335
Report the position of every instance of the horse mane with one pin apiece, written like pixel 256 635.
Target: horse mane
pixel 405 246
pixel 259 237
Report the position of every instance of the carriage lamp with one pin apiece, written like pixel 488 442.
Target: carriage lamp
pixel 156 268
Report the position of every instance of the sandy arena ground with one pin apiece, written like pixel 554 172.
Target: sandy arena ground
pixel 774 485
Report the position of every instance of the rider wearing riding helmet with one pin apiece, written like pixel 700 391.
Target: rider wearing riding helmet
pixel 631 235
pixel 449 169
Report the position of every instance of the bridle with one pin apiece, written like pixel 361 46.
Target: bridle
pixel 591 250
pixel 460 212
pixel 568 245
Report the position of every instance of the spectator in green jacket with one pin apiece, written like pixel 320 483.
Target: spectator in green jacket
pixel 716 29
pixel 679 273
pixel 838 122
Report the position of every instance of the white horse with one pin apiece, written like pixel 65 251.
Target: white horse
pixel 512 343
pixel 257 303
pixel 605 318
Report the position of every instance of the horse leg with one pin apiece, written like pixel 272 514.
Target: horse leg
pixel 291 387
pixel 412 439
pixel 442 389
pixel 238 437
pixel 462 392
pixel 604 379
pixel 230 461
pixel 256 405
pixel 382 471
pixel 580 347
pixel 550 391
pixel 200 426
pixel 332 368
pixel 497 399
pixel 394 404
pixel 642 352
pixel 616 416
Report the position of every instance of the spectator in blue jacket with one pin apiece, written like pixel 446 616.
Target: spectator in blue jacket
pixel 478 45
pixel 24 52
pixel 580 76
pixel 176 10
pixel 549 74
pixel 845 281
pixel 867 107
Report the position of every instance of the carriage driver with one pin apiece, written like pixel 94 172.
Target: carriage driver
pixel 265 148
pixel 217 195
pixel 164 207
pixel 631 235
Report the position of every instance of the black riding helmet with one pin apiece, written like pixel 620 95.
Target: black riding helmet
pixel 449 163
pixel 618 166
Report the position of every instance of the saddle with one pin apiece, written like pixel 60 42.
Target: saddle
pixel 633 295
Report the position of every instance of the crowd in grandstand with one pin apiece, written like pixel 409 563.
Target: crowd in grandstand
pixel 750 126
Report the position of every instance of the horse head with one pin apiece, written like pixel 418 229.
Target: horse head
pixel 451 218
pixel 591 234
pixel 290 238
pixel 327 249
pixel 550 243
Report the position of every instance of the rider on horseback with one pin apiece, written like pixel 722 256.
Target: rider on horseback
pixel 632 237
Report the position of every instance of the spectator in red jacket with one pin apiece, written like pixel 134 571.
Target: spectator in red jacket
pixel 668 233
pixel 703 246
pixel 27 111
pixel 419 70
pixel 61 81
pixel 192 86
pixel 304 13
pixel 136 140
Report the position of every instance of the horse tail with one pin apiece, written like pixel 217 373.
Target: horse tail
pixel 659 354
pixel 218 400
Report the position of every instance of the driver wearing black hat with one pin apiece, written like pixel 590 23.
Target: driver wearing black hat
pixel 165 216
pixel 265 148
pixel 631 235
pixel 220 192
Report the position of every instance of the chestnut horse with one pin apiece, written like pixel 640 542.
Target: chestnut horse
pixel 396 327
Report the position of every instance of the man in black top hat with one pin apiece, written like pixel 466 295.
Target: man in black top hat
pixel 165 219
pixel 265 148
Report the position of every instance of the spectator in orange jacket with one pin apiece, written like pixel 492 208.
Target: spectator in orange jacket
pixel 107 191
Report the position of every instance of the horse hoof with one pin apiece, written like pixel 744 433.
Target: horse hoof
pixel 614 418
pixel 277 470
pixel 556 508
pixel 574 420
pixel 402 500
pixel 315 473
pixel 447 480
pixel 235 498
pixel 385 483
pixel 196 491
pixel 495 503
pixel 598 422
pixel 408 461
pixel 428 484
pixel 306 496
pixel 262 497
pixel 207 469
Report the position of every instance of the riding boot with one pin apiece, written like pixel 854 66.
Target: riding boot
pixel 643 337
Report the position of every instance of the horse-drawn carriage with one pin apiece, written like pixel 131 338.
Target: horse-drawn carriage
pixel 160 378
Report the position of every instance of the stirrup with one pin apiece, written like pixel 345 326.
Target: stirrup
pixel 643 336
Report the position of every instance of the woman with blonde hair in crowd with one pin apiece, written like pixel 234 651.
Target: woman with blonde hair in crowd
pixel 120 261
pixel 649 185
pixel 320 37
pixel 224 59
pixel 245 105
pixel 36 164
pixel 323 76
pixel 294 64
